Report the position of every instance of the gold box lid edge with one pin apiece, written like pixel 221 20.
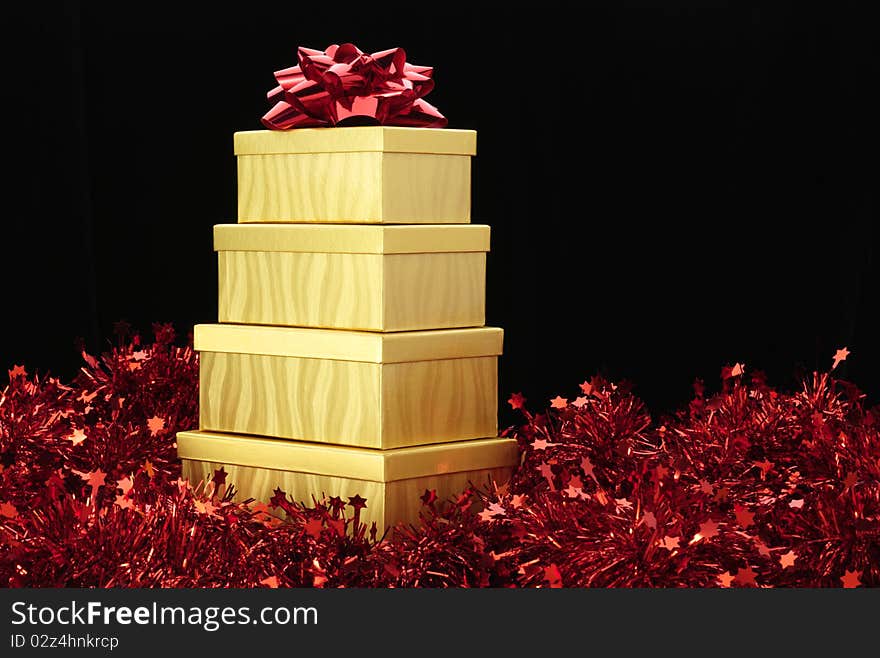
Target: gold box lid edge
pixel 345 345
pixel 344 461
pixel 353 238
pixel 384 139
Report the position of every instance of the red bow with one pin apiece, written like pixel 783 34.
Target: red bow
pixel 342 82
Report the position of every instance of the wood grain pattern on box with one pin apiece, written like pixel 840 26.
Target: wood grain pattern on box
pixel 364 175
pixel 374 278
pixel 397 292
pixel 392 480
pixel 377 390
pixel 349 402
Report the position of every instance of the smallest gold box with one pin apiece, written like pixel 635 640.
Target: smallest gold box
pixel 392 481
pixel 363 174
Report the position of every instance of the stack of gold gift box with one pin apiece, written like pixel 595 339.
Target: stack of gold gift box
pixel 350 356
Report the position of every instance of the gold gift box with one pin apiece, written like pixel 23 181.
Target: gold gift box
pixel 372 278
pixel 369 174
pixel 372 390
pixel 391 480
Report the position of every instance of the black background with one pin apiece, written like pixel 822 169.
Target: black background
pixel 671 187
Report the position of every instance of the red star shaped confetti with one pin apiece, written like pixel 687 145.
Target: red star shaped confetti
pixel 725 579
pixel 787 560
pixel 580 402
pixel 279 498
pixel 670 543
pixel 17 371
pixel 552 576
pixel 746 577
pixel 839 355
pixel 586 388
pixel 76 437
pixel 486 515
pixel 743 516
pixel 219 477
pixel 708 529
pixel 95 479
pixel 517 401
pixel 546 472
pixel 572 491
pixel 313 528
pixel 124 503
pixel 496 509
pixel 357 502
pixel 540 444
pixel 155 424
pixel 587 468
pixel 850 579
pixel 559 402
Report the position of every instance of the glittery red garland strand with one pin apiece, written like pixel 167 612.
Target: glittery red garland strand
pixel 746 488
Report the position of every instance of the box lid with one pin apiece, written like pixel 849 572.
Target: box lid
pixel 341 461
pixel 387 139
pixel 366 346
pixel 352 239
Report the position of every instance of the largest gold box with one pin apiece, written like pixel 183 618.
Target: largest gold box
pixel 368 174
pixel 391 480
pixel 371 278
pixel 374 390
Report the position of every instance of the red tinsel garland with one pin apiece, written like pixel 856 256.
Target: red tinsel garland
pixel 746 488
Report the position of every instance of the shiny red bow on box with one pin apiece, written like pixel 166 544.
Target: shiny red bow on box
pixel 343 84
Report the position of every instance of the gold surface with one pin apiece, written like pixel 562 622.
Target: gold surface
pixel 388 139
pixel 445 400
pixel 370 292
pixel 352 463
pixel 433 291
pixel 349 402
pixel 360 187
pixel 352 239
pixel 301 289
pixel 349 345
pixel 387 504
